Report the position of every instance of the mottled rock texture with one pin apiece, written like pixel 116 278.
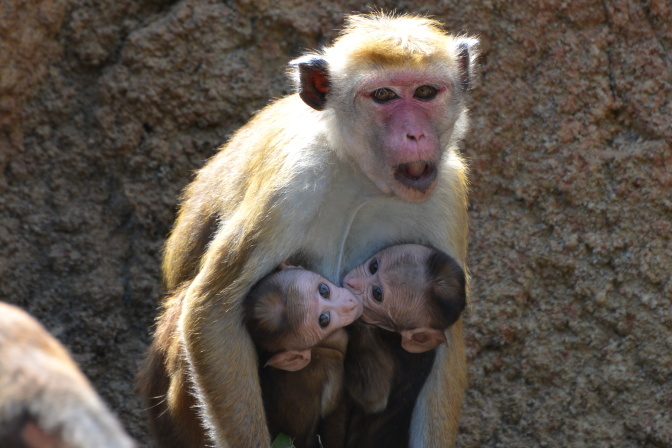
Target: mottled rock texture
pixel 108 107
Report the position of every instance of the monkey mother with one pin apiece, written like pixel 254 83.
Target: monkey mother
pixel 362 157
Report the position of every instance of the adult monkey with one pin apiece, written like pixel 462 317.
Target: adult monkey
pixel 361 158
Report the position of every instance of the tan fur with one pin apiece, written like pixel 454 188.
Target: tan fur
pixel 384 42
pixel 164 384
pixel 43 395
pixel 301 183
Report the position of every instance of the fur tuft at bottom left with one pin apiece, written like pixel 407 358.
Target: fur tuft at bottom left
pixel 45 400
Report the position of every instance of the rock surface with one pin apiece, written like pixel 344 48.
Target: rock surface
pixel 108 107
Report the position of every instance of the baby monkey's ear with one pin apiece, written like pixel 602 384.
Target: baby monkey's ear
pixel 290 360
pixel 287 265
pixel 420 340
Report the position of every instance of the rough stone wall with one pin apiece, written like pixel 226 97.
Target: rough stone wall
pixel 108 107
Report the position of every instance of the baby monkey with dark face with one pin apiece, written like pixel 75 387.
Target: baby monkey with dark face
pixel 296 319
pixel 411 294
pixel 410 289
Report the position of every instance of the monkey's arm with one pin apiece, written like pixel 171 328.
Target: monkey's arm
pixel 437 422
pixel 219 350
pixel 42 392
pixel 437 411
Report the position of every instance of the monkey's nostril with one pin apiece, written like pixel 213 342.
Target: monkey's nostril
pixel 415 137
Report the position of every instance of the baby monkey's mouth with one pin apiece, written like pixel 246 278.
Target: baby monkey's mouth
pixel 416 175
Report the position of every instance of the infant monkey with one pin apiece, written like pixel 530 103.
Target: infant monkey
pixel 414 290
pixel 294 315
pixel 411 295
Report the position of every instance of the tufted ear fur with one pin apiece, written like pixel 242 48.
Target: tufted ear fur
pixel 466 56
pixel 312 80
pixel 290 360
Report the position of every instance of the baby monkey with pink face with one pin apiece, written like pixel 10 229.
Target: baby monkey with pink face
pixel 296 319
pixel 294 316
pixel 292 310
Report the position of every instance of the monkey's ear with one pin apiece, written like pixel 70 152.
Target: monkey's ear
pixel 290 360
pixel 420 340
pixel 313 80
pixel 287 265
pixel 467 51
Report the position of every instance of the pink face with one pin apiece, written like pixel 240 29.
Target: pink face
pixel 327 307
pixel 411 114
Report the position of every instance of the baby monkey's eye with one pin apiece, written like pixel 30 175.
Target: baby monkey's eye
pixel 324 292
pixel 373 266
pixel 377 294
pixel 324 320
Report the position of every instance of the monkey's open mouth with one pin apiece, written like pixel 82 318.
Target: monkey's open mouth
pixel 416 175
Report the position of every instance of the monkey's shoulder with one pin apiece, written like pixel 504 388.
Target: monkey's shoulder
pixel 280 129
pixel 283 143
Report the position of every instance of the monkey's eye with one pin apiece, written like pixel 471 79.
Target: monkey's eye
pixel 324 291
pixel 324 320
pixel 377 294
pixel 425 92
pixel 373 266
pixel 383 95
